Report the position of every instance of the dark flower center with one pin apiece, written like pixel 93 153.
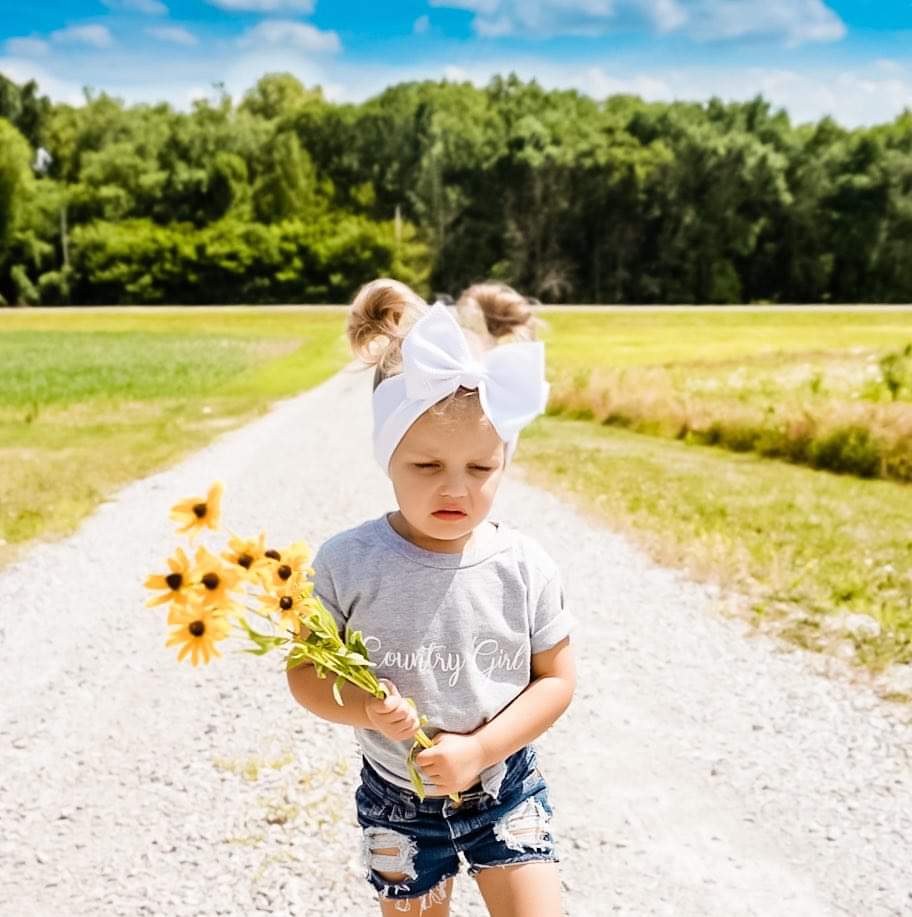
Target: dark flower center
pixel 199 510
pixel 245 560
pixel 284 572
pixel 197 628
pixel 211 580
pixel 285 602
pixel 273 554
pixel 174 581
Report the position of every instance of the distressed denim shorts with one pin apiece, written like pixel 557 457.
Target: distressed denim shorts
pixel 422 841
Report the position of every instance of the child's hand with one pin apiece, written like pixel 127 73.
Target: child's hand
pixel 394 716
pixel 454 762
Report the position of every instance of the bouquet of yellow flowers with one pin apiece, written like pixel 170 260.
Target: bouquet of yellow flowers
pixel 204 607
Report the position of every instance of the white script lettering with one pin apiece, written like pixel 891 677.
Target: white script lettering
pixel 487 656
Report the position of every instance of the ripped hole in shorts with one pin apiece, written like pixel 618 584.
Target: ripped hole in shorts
pixel 525 826
pixel 385 850
pixel 436 895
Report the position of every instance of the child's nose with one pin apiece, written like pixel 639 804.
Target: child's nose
pixel 454 485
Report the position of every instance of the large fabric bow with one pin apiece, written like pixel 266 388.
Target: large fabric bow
pixel 436 360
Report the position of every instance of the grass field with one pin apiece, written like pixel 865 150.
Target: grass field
pixel 807 547
pixel 832 391
pixel 91 400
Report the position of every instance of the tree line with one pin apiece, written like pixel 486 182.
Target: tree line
pixel 285 196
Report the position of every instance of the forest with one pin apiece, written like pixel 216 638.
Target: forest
pixel 284 196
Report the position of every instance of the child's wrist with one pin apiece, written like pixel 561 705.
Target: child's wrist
pixel 363 699
pixel 483 751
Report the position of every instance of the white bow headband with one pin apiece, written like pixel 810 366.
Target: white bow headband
pixel 436 360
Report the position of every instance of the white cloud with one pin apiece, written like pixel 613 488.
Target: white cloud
pixel 265 6
pixel 792 21
pixel 27 47
pixel 175 34
pixel 20 71
pixel 291 34
pixel 885 65
pixel 422 24
pixel 868 92
pixel 96 35
pixel 796 21
pixel 149 7
pixel 853 98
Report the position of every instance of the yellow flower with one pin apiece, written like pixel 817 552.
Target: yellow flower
pixel 178 583
pixel 198 627
pixel 277 567
pixel 214 581
pixel 288 602
pixel 246 554
pixel 195 513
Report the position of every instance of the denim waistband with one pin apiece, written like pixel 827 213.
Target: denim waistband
pixel 519 760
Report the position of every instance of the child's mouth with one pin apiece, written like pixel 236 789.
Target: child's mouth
pixel 448 514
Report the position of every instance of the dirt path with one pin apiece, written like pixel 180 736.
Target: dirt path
pixel 697 772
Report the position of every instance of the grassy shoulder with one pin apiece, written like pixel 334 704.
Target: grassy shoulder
pixel 832 390
pixel 90 402
pixel 807 548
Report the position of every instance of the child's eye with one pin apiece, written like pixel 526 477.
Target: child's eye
pixel 434 465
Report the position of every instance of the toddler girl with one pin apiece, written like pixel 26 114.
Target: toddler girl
pixel 462 614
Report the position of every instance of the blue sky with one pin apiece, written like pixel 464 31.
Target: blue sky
pixel 852 60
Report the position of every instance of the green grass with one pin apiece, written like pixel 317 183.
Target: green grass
pixel 802 544
pixel 831 390
pixel 641 337
pixel 61 367
pixel 90 401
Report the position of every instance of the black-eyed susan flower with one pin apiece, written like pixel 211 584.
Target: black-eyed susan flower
pixel 215 581
pixel 286 603
pixel 246 555
pixel 197 513
pixel 177 584
pixel 198 628
pixel 279 566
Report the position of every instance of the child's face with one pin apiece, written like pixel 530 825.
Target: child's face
pixel 442 463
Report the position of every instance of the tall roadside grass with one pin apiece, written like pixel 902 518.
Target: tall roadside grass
pixel 847 409
pixel 807 548
pixel 90 401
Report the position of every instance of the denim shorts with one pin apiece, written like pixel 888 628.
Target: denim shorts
pixel 422 841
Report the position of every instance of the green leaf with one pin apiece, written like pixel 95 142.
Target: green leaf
pixel 414 776
pixel 337 694
pixel 260 651
pixel 265 642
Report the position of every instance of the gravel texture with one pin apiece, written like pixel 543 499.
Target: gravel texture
pixel 697 771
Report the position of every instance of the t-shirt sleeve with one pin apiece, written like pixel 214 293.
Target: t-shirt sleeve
pixel 325 588
pixel 551 621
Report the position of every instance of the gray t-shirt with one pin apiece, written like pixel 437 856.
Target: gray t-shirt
pixel 455 632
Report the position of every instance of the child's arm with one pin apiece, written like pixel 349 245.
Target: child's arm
pixel 316 695
pixel 393 716
pixel 527 716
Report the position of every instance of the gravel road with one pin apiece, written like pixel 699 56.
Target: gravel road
pixel 697 772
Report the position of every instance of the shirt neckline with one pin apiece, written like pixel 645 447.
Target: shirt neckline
pixel 490 546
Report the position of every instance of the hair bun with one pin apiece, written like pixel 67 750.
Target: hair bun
pixel 500 309
pixel 378 318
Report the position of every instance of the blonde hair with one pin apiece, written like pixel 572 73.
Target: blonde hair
pixel 499 310
pixel 384 310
